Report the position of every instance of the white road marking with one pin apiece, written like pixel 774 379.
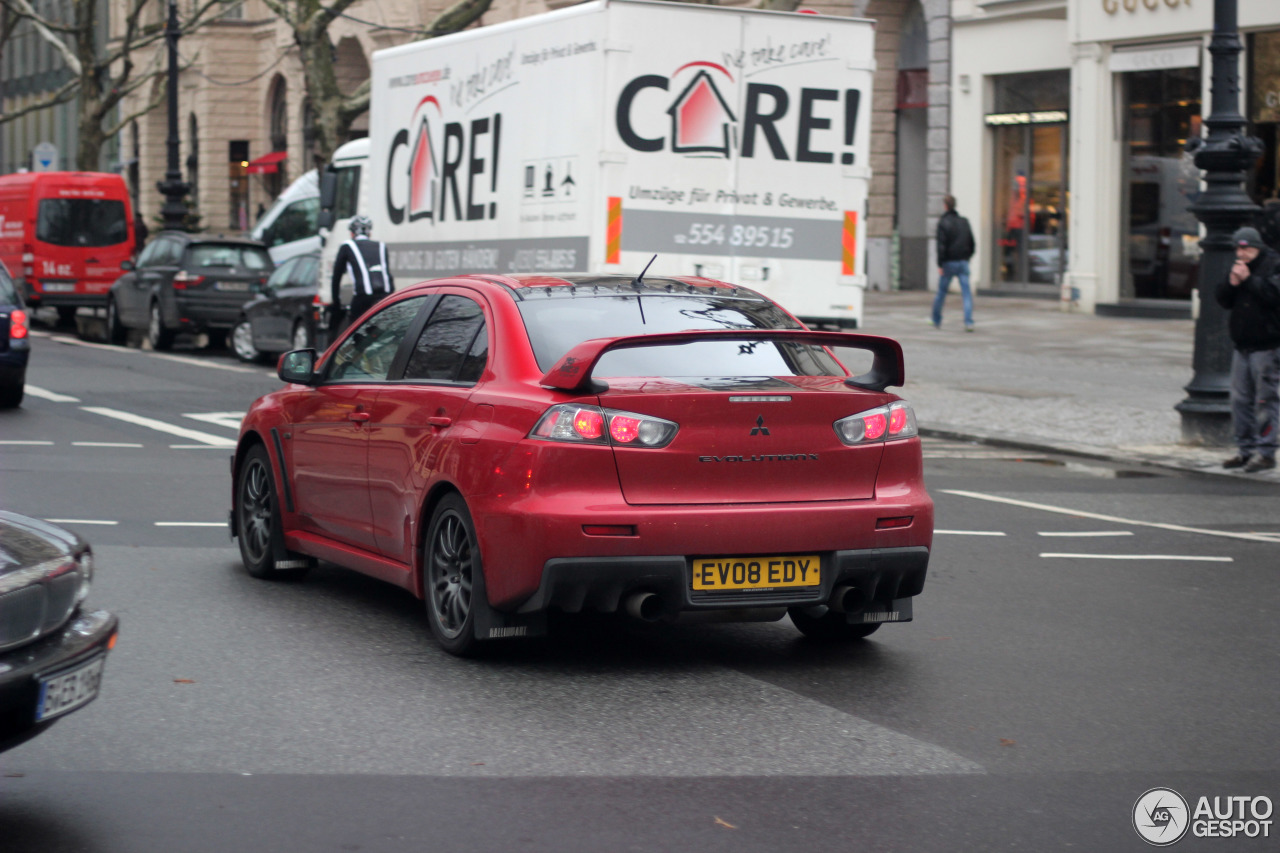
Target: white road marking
pixel 104 444
pixel 82 521
pixel 181 359
pixel 1083 534
pixel 230 420
pixel 161 426
pixel 191 524
pixel 984 454
pixel 45 394
pixel 1183 557
pixel 201 446
pixel 17 441
pixel 968 533
pixel 1096 516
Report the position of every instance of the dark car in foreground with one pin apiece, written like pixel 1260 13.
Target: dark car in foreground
pixel 52 648
pixel 15 343
pixel 186 283
pixel 668 448
pixel 282 316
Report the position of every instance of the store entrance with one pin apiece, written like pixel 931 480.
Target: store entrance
pixel 1160 257
pixel 1030 205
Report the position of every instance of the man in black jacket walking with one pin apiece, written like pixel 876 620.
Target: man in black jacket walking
pixel 366 261
pixel 955 248
pixel 1252 294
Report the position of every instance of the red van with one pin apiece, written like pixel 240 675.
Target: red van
pixel 63 235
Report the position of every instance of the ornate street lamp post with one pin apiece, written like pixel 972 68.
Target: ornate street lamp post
pixel 173 188
pixel 1223 207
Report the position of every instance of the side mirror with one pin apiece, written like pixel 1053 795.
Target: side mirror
pixel 328 188
pixel 324 221
pixel 297 367
pixel 128 266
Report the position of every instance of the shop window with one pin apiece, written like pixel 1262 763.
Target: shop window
pixel 238 178
pixel 1160 257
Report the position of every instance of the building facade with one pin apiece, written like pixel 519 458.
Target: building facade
pixel 1077 121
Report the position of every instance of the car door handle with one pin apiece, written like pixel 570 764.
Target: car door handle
pixel 440 422
pixel 358 417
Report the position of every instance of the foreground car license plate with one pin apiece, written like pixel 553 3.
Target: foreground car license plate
pixel 68 690
pixel 728 573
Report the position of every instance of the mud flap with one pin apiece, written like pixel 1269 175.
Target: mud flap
pixel 493 624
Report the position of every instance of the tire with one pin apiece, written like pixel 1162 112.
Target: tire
pixel 301 337
pixel 241 340
pixel 453 576
pixel 11 392
pixel 116 332
pixel 257 509
pixel 830 627
pixel 161 338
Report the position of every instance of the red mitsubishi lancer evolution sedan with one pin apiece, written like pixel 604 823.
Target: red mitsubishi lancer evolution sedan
pixel 669 448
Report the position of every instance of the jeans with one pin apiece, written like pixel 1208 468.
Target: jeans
pixel 950 270
pixel 1255 401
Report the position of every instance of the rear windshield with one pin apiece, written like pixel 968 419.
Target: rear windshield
pixel 81 222
pixel 207 255
pixel 558 323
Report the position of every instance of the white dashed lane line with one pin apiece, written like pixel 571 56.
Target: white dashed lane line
pixel 1084 534
pixel 161 426
pixel 54 396
pixel 82 521
pixel 968 533
pixel 1160 557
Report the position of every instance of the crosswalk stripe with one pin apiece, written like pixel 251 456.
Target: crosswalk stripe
pixel 160 426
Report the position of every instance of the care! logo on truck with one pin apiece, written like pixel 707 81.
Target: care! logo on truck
pixel 703 123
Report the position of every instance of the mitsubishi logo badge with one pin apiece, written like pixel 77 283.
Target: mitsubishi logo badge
pixel 760 428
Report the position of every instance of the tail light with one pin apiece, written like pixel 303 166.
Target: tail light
pixel 185 279
pixel 896 420
pixel 593 425
pixel 317 308
pixel 18 325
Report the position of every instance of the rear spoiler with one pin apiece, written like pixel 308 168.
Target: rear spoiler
pixel 573 371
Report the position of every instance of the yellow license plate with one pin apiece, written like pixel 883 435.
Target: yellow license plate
pixel 724 573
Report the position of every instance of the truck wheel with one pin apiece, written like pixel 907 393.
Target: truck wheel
pixel 116 332
pixel 161 338
pixel 453 577
pixel 830 627
pixel 260 532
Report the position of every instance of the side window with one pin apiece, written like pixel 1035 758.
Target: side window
pixel 295 222
pixel 170 254
pixel 304 273
pixel 280 276
pixel 453 345
pixel 367 354
pixel 150 253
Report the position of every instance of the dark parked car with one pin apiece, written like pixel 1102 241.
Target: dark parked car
pixel 282 316
pixel 52 648
pixel 15 343
pixel 186 283
pixel 672 448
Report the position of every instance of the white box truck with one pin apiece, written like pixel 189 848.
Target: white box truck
pixel 733 144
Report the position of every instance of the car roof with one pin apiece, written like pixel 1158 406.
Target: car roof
pixel 211 239
pixel 527 286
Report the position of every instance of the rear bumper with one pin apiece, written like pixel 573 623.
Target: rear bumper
pixel 878 576
pixel 64 300
pixel 21 669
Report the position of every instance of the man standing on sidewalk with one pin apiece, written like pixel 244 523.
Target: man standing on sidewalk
pixel 955 248
pixel 1252 294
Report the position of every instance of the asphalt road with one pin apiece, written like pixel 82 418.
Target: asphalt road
pixel 1087 633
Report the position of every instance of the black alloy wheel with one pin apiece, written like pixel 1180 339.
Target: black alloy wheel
pixel 258 520
pixel 830 627
pixel 454 577
pixel 161 338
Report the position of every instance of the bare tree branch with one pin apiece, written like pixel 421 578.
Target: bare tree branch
pixel 46 30
pixel 67 92
pixel 140 112
pixel 457 17
pixel 23 11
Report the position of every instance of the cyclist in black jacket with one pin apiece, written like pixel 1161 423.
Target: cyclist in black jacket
pixel 366 260
pixel 955 248
pixel 1252 294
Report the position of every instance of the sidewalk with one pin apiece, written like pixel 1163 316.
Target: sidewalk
pixel 1033 376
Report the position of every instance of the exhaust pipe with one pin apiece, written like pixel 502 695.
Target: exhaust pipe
pixel 844 599
pixel 645 606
